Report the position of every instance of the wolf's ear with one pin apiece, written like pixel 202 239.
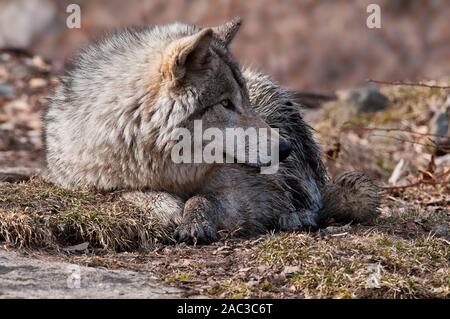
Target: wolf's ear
pixel 186 52
pixel 227 31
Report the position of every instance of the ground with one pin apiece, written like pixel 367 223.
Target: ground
pixel 45 227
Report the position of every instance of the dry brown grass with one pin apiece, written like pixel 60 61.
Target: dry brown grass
pixel 38 214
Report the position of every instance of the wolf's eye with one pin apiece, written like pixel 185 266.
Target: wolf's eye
pixel 228 104
pixel 288 103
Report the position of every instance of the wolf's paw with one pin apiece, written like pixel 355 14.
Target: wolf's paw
pixel 308 219
pixel 297 220
pixel 194 233
pixel 197 226
pixel 289 221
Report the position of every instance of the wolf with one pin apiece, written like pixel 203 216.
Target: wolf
pixel 299 196
pixel 111 125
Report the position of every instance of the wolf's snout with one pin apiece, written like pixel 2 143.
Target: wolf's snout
pixel 284 150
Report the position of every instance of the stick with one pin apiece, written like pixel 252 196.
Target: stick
pixel 399 83
pixel 391 130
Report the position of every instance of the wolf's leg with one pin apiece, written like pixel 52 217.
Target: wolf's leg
pixel 199 223
pixel 167 208
pixel 241 201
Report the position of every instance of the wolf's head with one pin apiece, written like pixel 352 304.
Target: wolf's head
pixel 203 93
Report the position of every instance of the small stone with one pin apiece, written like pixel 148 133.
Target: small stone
pixel 292 288
pixel 15 107
pixel 261 269
pixel 335 230
pixel 443 161
pixel 39 63
pixel 353 102
pixel 7 91
pixel 279 279
pixel 441 231
pixel 79 247
pixel 26 21
pixel 186 262
pixel 7 126
pixel 252 283
pixel 37 83
pixel 3 72
pixel 213 284
pixel 3 118
pixel 367 99
pixel 399 174
pixel 440 126
pixel 289 270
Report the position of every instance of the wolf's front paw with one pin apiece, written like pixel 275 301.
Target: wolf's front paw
pixel 308 219
pixel 297 220
pixel 197 226
pixel 194 233
pixel 289 221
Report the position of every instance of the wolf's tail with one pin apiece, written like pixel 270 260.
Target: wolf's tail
pixel 350 197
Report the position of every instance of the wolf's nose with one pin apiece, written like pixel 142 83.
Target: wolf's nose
pixel 285 150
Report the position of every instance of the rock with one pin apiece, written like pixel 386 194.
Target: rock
pixel 279 279
pixel 441 231
pixel 353 102
pixel 213 284
pixel 365 99
pixel 21 21
pixel 16 108
pixel 252 283
pixel 3 118
pixel 80 247
pixel 443 161
pixel 261 269
pixel 290 270
pixel 7 91
pixel 37 83
pixel 334 230
pixel 27 277
pixel 440 126
pixel 401 170
pixel 40 64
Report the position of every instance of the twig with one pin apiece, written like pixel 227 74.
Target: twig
pixel 404 140
pixel 443 240
pixel 421 182
pixel 400 83
pixel 390 130
pixel 14 177
pixel 439 202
